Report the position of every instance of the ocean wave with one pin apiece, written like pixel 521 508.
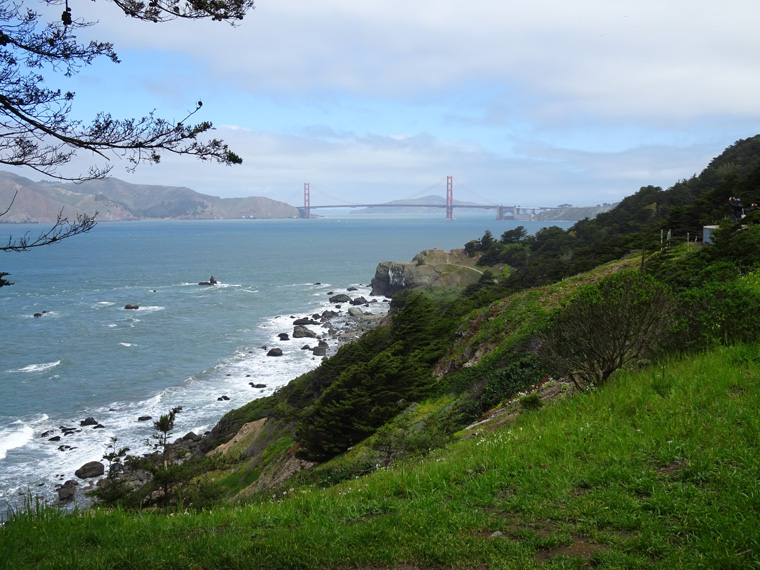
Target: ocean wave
pixel 38 367
pixel 150 308
pixel 14 437
pixel 245 374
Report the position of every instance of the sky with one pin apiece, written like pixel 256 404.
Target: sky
pixel 531 102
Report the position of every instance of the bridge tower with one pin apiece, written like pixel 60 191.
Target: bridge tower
pixel 306 201
pixel 449 197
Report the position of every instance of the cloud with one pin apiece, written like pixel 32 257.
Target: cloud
pixel 579 102
pixel 362 169
pixel 649 58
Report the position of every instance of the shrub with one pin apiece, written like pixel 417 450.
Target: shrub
pixel 626 316
pixel 719 312
pixel 531 401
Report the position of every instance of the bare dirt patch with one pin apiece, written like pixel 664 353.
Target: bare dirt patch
pixel 672 469
pixel 578 549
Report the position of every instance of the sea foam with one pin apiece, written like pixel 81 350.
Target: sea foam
pixel 38 367
pixel 13 437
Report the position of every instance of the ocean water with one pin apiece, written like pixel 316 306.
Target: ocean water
pixel 187 345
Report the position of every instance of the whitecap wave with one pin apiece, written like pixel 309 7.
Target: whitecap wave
pixel 13 437
pixel 150 308
pixel 38 367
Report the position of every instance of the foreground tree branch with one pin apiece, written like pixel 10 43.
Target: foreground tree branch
pixel 36 127
pixel 61 229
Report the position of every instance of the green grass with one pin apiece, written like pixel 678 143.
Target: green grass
pixel 659 468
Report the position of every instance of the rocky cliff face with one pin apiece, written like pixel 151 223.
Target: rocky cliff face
pixel 432 267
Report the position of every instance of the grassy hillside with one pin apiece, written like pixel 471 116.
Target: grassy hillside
pixel 590 402
pixel 657 469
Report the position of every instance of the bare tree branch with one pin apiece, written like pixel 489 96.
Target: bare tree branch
pixel 61 229
pixel 36 129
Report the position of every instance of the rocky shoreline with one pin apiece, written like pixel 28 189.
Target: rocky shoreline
pixel 338 327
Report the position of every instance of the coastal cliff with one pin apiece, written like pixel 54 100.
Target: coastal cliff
pixel 429 268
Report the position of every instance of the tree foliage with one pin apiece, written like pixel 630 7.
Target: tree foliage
pixel 368 383
pixel 38 130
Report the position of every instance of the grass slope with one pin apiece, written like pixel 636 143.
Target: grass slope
pixel 659 468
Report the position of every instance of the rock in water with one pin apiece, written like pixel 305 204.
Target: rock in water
pixel 91 469
pixel 300 331
pixel 67 490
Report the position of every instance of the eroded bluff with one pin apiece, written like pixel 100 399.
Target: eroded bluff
pixel 432 267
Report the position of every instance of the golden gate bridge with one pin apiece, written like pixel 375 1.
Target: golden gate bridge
pixel 503 212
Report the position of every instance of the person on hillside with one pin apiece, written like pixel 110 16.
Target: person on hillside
pixel 737 208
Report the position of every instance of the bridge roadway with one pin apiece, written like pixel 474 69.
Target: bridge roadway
pixel 503 212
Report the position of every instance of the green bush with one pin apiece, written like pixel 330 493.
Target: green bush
pixel 404 437
pixel 355 398
pixel 531 402
pixel 719 312
pixel 625 317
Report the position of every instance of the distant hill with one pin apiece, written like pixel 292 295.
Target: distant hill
pixel 393 207
pixel 565 214
pixel 114 199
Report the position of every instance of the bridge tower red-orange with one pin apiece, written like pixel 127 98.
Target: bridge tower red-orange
pixel 306 201
pixel 449 197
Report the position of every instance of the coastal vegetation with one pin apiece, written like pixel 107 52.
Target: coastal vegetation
pixel 589 402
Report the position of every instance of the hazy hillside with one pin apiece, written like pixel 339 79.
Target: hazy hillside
pixel 393 208
pixel 114 199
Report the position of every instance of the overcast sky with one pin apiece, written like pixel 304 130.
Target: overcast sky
pixel 523 102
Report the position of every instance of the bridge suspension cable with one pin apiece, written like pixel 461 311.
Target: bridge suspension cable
pixel 323 193
pixel 425 191
pixel 328 195
pixel 296 194
pixel 461 184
